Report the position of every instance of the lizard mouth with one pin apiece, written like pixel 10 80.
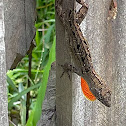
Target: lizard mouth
pixel 100 89
pixel 104 98
pixel 102 94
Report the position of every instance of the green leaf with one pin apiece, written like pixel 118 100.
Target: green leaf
pixel 47 45
pixel 45 57
pixel 47 37
pixel 17 97
pixel 22 106
pixel 38 25
pixel 37 38
pixel 19 71
pixel 12 85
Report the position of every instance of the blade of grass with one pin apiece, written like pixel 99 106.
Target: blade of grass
pixel 17 97
pixel 10 82
pixel 22 70
pixel 22 105
pixel 36 113
pixel 38 25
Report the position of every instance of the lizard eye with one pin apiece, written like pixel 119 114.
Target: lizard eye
pixel 78 46
pixel 70 13
pixel 73 33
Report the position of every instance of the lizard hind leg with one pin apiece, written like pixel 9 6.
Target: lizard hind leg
pixel 80 15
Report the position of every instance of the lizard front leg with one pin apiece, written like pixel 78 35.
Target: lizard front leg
pixel 112 10
pixel 80 15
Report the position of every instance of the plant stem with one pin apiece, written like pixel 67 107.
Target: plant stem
pixel 29 84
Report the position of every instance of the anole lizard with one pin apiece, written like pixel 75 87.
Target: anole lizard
pixel 80 51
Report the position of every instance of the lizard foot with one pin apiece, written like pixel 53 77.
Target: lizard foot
pixel 66 69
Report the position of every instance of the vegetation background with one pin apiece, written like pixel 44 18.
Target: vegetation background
pixel 26 92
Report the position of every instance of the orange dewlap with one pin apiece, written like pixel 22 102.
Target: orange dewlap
pixel 85 88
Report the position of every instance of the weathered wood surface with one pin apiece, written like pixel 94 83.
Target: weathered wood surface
pixel 108 50
pixel 20 31
pixel 17 31
pixel 63 85
pixel 3 86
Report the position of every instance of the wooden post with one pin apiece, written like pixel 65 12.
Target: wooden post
pixel 64 84
pixel 20 31
pixel 3 86
pixel 16 34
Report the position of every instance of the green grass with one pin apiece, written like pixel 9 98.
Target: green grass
pixel 42 57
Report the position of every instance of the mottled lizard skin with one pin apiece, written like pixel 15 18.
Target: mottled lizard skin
pixel 80 51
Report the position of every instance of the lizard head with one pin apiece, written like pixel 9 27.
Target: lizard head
pixel 100 89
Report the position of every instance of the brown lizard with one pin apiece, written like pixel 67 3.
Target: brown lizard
pixel 80 51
